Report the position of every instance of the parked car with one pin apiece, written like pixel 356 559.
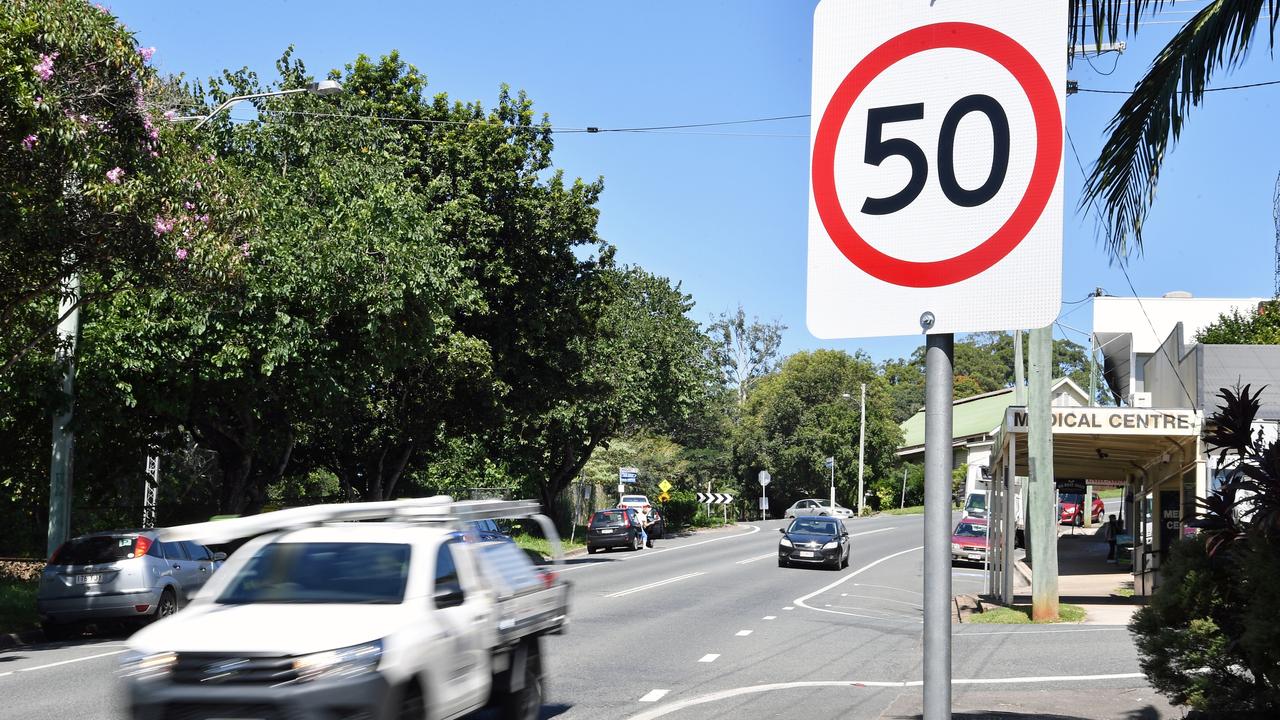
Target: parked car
pixel 616 528
pixel 818 507
pixel 1069 508
pixel 484 531
pixel 814 540
pixel 119 575
pixel 969 540
pixel 658 525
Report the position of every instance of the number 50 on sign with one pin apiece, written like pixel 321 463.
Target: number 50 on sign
pixel 936 166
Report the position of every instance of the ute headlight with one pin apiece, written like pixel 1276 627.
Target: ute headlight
pixel 147 666
pixel 341 663
pixel 784 542
pixel 831 545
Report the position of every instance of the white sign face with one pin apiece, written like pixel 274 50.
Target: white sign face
pixel 764 477
pixel 935 180
pixel 1111 421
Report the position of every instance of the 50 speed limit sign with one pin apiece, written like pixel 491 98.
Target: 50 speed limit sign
pixel 936 166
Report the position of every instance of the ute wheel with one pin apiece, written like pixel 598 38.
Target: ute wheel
pixel 167 606
pixel 592 550
pixel 525 703
pixel 411 705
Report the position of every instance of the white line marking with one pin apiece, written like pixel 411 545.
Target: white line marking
pixel 709 657
pixel 659 583
pixel 68 662
pixel 789 607
pixel 870 532
pixel 886 587
pixel 800 601
pixel 654 695
pixel 882 599
pixel 5 674
pixel 758 557
pixel 569 568
pixel 769 617
pixel 742 633
pixel 734 692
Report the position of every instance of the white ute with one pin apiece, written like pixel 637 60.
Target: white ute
pixel 323 617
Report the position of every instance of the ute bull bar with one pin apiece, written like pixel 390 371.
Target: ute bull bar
pixel 437 509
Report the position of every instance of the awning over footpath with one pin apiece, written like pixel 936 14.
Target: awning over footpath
pixel 1103 443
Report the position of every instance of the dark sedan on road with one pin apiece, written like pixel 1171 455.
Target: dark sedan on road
pixel 814 541
pixel 617 528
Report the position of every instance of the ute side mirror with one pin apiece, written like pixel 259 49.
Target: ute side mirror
pixel 448 594
pixel 219 556
pixel 782 530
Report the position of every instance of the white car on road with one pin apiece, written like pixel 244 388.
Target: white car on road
pixel 344 619
pixel 816 506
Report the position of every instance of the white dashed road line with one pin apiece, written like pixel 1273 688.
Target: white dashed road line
pixel 651 585
pixel 870 532
pixel 742 633
pixel 709 657
pixel 769 617
pixel 650 553
pixel 68 662
pixel 654 695
pixel 758 557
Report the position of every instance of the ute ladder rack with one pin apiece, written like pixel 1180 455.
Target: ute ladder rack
pixel 440 508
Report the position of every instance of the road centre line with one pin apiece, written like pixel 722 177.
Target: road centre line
pixel 570 568
pixel 870 532
pixel 709 657
pixel 72 660
pixel 886 587
pixel 654 695
pixel 769 617
pixel 758 557
pixel 651 585
pixel 800 601
pixel 670 708
pixel 742 633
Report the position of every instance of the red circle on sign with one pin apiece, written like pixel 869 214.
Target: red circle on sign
pixel 1044 174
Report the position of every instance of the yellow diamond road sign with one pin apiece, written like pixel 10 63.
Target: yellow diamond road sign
pixel 664 497
pixel 664 486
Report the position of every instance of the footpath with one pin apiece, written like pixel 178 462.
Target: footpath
pixel 1085 578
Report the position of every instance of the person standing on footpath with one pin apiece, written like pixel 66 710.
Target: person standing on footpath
pixel 1109 532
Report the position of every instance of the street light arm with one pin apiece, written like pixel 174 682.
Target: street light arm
pixel 238 98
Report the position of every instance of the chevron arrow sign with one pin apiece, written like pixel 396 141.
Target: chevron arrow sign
pixel 715 498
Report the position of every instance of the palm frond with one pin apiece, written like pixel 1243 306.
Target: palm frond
pixel 1125 176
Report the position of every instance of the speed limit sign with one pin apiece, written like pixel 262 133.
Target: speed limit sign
pixel 935 197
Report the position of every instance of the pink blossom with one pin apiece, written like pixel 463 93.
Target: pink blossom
pixel 203 218
pixel 211 158
pixel 198 185
pixel 114 175
pixel 29 142
pixel 163 226
pixel 244 249
pixel 155 154
pixel 170 115
pixel 154 134
pixel 44 68
pixel 146 53
pixel 189 205
pixel 39 99
pixel 102 8
pixel 182 253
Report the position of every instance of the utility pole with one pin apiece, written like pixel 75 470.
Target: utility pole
pixel 1040 520
pixel 902 499
pixel 862 442
pixel 939 389
pixel 64 439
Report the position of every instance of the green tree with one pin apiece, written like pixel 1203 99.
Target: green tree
pixel 1253 327
pixel 744 351
pixel 1217 37
pixel 800 415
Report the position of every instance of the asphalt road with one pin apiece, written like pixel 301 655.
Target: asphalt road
pixel 708 626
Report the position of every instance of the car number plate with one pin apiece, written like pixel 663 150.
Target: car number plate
pixel 975 556
pixel 606 530
pixel 806 553
pixel 88 579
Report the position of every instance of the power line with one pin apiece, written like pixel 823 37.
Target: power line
pixel 1225 88
pixel 1163 350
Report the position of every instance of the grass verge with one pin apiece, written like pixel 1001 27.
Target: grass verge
pixel 912 510
pixel 17 604
pixel 1111 493
pixel 542 546
pixel 1021 615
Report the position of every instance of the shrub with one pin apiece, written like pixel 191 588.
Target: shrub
pixel 681 509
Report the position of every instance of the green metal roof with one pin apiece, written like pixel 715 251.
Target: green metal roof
pixel 975 415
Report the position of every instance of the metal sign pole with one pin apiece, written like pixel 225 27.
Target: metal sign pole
pixel 939 357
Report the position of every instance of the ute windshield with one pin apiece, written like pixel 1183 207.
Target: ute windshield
pixel 970 530
pixel 813 526
pixel 311 573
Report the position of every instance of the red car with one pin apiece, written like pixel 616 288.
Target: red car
pixel 1069 508
pixel 969 540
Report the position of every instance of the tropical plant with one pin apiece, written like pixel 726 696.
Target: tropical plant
pixel 1216 38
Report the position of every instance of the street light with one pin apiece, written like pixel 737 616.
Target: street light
pixel 323 87
pixel 862 435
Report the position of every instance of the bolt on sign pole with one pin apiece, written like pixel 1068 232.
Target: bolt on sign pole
pixel 939 357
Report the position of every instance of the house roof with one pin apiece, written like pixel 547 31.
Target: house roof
pixel 980 414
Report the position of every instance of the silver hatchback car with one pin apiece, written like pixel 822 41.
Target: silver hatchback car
pixel 119 575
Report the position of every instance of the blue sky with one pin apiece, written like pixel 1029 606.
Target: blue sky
pixel 723 210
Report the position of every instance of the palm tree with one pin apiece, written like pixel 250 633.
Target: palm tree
pixel 1217 38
